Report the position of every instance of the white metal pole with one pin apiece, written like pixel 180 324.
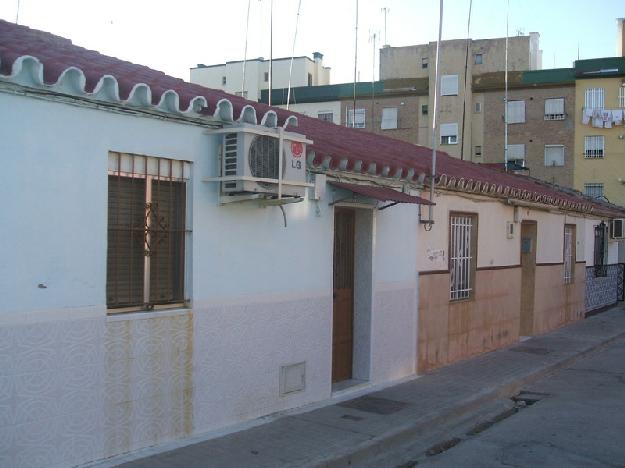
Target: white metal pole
pixel 270 49
pixel 505 118
pixel 288 93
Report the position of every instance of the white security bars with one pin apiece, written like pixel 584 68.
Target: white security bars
pixel 554 109
pixel 359 121
pixel 461 256
pixel 593 190
pixel 593 146
pixel 569 232
pixel 594 98
pixel 621 96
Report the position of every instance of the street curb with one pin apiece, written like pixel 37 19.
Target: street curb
pixel 403 434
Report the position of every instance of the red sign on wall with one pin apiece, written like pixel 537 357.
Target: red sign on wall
pixel 297 149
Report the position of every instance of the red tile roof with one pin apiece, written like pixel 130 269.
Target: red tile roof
pixel 382 193
pixel 334 145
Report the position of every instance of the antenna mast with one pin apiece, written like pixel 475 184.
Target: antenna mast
pixel 505 99
pixel 372 38
pixel 355 70
pixel 385 10
pixel 247 29
pixel 270 48
pixel 17 14
pixel 288 93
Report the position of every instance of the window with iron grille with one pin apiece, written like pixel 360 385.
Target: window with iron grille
pixel 462 255
pixel 601 250
pixel 621 96
pixel 593 190
pixel 593 146
pixel 326 116
pixel 358 121
pixel 146 231
pixel 569 253
pixel 594 98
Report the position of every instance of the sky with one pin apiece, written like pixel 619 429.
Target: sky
pixel 173 37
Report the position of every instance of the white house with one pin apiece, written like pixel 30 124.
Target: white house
pixel 177 260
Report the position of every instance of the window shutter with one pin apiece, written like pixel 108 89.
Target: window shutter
pixel 449 129
pixel 125 249
pixel 449 85
pixel 554 155
pixel 389 118
pixel 516 151
pixel 167 234
pixel 516 111
pixel 554 106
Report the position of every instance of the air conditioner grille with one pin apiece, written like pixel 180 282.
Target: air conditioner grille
pixel 230 154
pixel 263 158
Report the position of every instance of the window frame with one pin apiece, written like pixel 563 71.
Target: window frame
pixel 590 150
pixel 394 125
pixel 425 107
pixel 445 80
pixel 593 185
pixel 325 113
pixel 593 97
pixel 470 261
pixel 569 257
pixel 477 109
pixel 477 61
pixel 425 62
pixel 449 139
pixel 524 118
pixel 350 111
pixel 171 224
pixel 563 156
pixel 478 152
pixel 517 158
pixel 556 116
pixel 600 250
pixel 224 80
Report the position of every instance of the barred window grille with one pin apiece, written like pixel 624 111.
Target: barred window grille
pixel 594 98
pixel 146 231
pixel 462 255
pixel 593 146
pixel 600 250
pixel 357 121
pixel 593 190
pixel 569 251
pixel 621 96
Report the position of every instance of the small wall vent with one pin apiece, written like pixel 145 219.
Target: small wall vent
pixel 292 378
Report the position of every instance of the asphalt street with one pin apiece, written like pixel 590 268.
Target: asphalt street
pixel 575 418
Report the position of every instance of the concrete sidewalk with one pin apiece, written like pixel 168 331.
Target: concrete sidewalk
pixel 356 431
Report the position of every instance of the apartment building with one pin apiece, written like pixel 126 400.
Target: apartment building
pixel 459 61
pixel 599 128
pixel 229 76
pixel 540 122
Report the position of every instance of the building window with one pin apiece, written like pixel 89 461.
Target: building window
pixel 516 152
pixel 594 98
pixel 424 109
pixel 424 62
pixel 478 151
pixel 593 190
pixel 554 109
pixel 146 231
pixel 389 118
pixel 554 155
pixel 359 121
pixel 449 85
pixel 223 80
pixel 310 82
pixel 593 147
pixel 266 77
pixel 478 59
pixel 516 112
pixel 449 134
pixel 462 254
pixel 478 107
pixel 242 94
pixel 326 116
pixel 601 250
pixel 621 96
pixel 569 253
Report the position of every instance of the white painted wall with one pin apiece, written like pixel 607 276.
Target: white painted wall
pixel 261 296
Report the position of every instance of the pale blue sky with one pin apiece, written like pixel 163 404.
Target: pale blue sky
pixel 176 37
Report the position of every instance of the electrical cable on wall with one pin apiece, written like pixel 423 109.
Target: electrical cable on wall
pixel 466 78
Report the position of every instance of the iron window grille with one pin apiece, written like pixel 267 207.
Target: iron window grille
pixel 594 98
pixel 593 190
pixel 600 250
pixel 462 255
pixel 569 253
pixel 359 121
pixel 593 147
pixel 326 116
pixel 146 232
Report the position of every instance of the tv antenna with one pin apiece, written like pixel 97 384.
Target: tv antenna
pixel 386 11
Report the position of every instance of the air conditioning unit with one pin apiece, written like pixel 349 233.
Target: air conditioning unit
pixel 616 228
pixel 250 162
